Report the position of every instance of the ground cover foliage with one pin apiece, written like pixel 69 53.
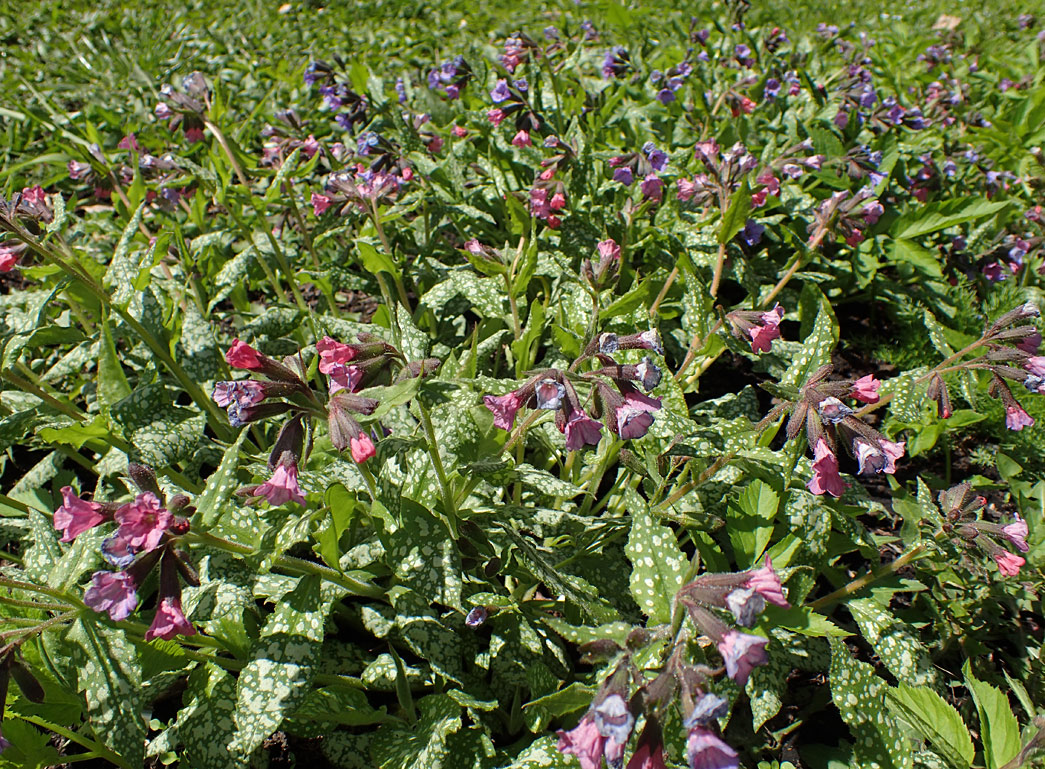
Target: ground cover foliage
pixel 433 385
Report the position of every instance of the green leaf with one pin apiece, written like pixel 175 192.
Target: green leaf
pixel 893 641
pixel 860 697
pixel 657 564
pixel 220 484
pixel 109 675
pixel 423 745
pixel 816 347
pixel 917 256
pixel 735 217
pixel 936 720
pixel 937 216
pixel 750 521
pixel 999 729
pixel 375 261
pixel 278 678
pixel 112 383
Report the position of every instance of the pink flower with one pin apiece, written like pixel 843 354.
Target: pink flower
pixel 871 460
pixel 652 188
pixel 634 416
pixel 1008 563
pixel 581 430
pixel 129 142
pixel 1016 532
pixel 75 515
pixel 194 134
pixel 282 486
pixel 706 150
pixel 1035 365
pixel 558 202
pixel 865 389
pixel 686 189
pixel 608 249
pixel 649 753
pixel 112 592
pixel 585 742
pixel 460 131
pixel 8 257
pixel 320 203
pixel 1016 418
pixel 169 621
pixel 77 169
pixel 742 653
pixel 310 146
pixel 331 353
pixel 522 139
pixel 854 238
pixel 495 116
pixel 826 479
pixel 762 336
pixel 143 521
pixel 362 448
pixel 706 751
pixel 242 355
pixel 766 583
pixel 435 144
pixel 503 408
pixel 344 377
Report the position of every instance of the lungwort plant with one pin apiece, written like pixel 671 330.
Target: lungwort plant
pixel 492 389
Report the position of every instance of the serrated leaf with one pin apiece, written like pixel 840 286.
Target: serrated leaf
pixel 936 720
pixel 999 729
pixel 657 564
pixel 109 675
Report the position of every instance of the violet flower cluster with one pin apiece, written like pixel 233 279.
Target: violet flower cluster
pixel 348 368
pixel 961 510
pixel 605 731
pixel 614 401
pixel 147 535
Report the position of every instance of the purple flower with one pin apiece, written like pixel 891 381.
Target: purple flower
pixel 500 92
pixel 282 487
pixel 771 89
pixel 1016 532
pixel 832 410
pixel 476 617
pixel 873 460
pixel 652 188
pixel 400 90
pixel 752 233
pixel 657 158
pixel 614 722
pixel 366 142
pixel 585 742
pixel 581 430
pixel 117 551
pixel 706 751
pixel 743 55
pixel 624 176
pixel 742 653
pixel 706 709
pixel 112 592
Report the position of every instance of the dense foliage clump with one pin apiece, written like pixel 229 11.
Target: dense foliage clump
pixel 436 386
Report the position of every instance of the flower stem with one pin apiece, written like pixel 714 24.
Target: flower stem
pixel 437 462
pixel 870 577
